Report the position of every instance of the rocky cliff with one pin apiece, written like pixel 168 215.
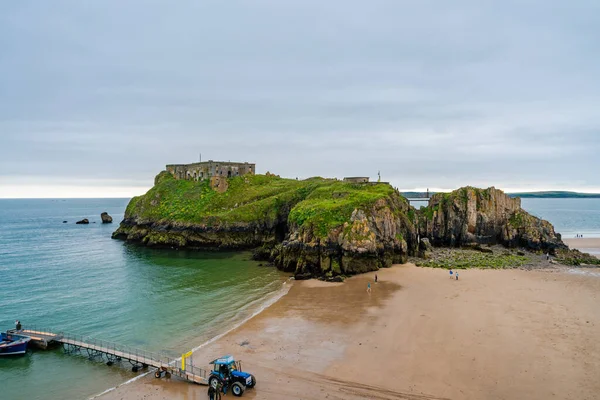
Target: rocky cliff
pixel 376 234
pixel 485 216
pixel 312 227
pixel 325 227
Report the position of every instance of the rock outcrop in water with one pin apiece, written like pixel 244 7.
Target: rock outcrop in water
pixel 106 219
pixel 84 221
pixel 325 227
pixel 485 216
pixel 312 227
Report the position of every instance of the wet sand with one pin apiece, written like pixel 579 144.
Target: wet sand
pixel 587 245
pixel 508 334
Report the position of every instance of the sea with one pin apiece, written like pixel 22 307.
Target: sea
pixel 76 279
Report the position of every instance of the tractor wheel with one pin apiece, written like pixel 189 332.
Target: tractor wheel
pixel 253 383
pixel 158 373
pixel 237 389
pixel 213 382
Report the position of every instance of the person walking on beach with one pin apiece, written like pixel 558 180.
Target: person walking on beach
pixel 375 278
pixel 369 287
pixel 450 273
pixel 547 256
pixel 456 275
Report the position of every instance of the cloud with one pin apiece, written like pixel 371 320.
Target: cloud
pixel 431 93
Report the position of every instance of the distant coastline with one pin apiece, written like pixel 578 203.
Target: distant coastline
pixel 528 195
pixel 556 195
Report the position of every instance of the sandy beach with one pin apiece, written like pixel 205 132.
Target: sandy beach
pixel 587 245
pixel 494 334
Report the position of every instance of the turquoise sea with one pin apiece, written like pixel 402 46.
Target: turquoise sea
pixel 77 279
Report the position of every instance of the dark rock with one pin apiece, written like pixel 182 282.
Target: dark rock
pixel 106 219
pixel 64 222
pixel 262 253
pixel 302 277
pixel 83 221
pixel 477 247
pixel 425 244
pixel 576 258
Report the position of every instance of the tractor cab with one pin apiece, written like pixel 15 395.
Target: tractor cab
pixel 225 366
pixel 226 369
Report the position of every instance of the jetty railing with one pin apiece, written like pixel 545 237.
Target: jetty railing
pixel 133 354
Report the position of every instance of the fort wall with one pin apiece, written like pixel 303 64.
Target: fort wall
pixel 206 170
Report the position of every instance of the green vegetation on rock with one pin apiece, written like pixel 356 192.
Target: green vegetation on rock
pixel 311 227
pixel 463 259
pixel 576 258
pixel 322 204
pixel 322 211
pixel 248 198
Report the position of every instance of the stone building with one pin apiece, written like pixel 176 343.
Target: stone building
pixel 210 169
pixel 357 179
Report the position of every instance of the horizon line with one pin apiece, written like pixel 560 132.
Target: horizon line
pixel 401 191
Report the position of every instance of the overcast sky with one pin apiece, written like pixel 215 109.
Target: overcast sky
pixel 97 96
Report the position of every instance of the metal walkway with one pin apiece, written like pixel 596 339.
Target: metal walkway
pixel 97 349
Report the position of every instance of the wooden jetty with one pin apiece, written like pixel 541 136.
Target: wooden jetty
pixel 40 339
pixel 97 349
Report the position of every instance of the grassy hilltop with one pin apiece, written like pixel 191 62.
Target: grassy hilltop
pixel 312 227
pixel 318 203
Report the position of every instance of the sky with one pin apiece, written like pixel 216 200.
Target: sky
pixel 96 97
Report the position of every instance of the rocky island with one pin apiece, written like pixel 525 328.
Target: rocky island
pixel 322 227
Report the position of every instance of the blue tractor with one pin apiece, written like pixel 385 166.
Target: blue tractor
pixel 227 372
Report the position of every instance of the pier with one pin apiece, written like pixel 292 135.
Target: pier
pixel 112 353
pixel 417 199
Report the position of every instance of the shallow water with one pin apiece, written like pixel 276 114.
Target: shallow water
pixel 77 279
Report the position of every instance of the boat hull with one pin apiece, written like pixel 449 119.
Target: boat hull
pixel 13 345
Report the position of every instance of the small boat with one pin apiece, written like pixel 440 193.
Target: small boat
pixel 13 344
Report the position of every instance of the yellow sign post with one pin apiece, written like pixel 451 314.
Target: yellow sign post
pixel 183 357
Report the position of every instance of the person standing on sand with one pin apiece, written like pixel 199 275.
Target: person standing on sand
pixel 369 287
pixel 456 275
pixel 375 278
pixel 450 273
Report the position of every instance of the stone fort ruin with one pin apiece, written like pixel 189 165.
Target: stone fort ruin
pixel 210 169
